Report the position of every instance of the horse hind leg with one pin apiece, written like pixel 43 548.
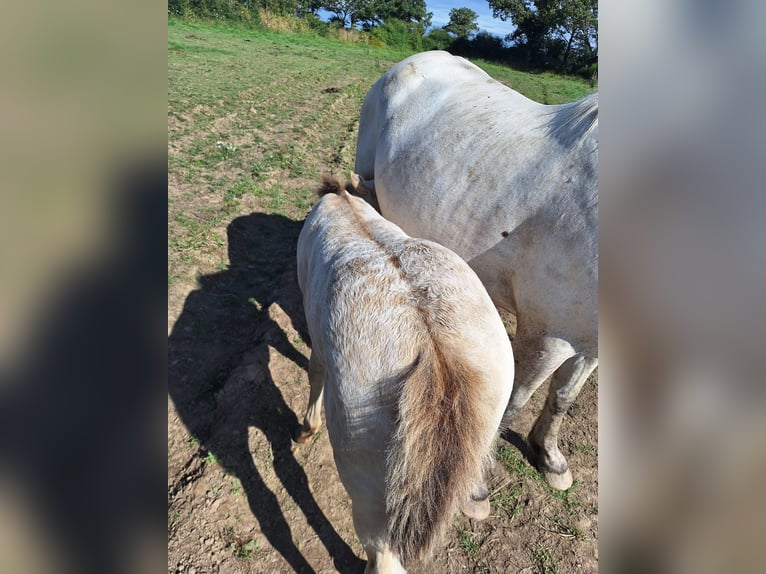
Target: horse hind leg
pixel 383 562
pixel 370 526
pixel 537 358
pixel 567 382
pixel 313 417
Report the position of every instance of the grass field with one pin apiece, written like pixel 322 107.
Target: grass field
pixel 254 120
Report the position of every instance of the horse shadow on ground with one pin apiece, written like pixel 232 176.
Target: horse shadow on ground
pixel 514 438
pixel 223 321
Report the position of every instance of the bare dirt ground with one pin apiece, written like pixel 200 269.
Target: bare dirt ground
pixel 243 498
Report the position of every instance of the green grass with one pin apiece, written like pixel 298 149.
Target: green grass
pixel 256 117
pixel 252 127
pixel 543 557
pixel 568 498
pixel 244 550
pixel 564 528
pixel 507 499
pixel 575 447
pixel 210 458
pixel 510 457
pixel 543 87
pixel 468 544
pixel 247 551
pixel 520 469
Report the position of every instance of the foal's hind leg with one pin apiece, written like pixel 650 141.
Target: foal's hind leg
pixel 567 382
pixel 313 416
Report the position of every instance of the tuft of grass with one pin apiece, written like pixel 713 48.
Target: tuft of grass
pixel 210 458
pixel 287 159
pixel 225 150
pixel 565 529
pixel 468 544
pixel 247 551
pixel 567 497
pixel 593 378
pixel 543 557
pixel 507 499
pixel 516 464
pixel 575 447
pixel 244 550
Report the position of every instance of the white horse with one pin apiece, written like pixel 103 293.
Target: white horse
pixel 510 185
pixel 415 369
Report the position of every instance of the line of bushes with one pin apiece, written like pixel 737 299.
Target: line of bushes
pixel 216 10
pixel 493 49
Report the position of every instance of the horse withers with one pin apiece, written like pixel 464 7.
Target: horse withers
pixel 415 368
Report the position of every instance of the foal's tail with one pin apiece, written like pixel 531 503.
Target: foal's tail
pixel 356 186
pixel 441 441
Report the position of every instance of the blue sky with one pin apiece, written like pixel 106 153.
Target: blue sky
pixel 486 22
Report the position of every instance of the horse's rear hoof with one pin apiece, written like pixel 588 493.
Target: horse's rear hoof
pixel 476 509
pixel 559 481
pixel 303 435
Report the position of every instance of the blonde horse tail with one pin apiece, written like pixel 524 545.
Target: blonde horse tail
pixel 438 450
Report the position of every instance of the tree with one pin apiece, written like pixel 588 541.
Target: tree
pixel 462 22
pixel 306 7
pixel 343 9
pixel 437 39
pixel 374 12
pixel 560 33
pixel 281 7
pixel 579 26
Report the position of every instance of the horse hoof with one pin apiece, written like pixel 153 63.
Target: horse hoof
pixel 303 436
pixel 476 509
pixel 559 481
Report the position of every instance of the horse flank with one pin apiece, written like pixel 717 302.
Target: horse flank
pixel 533 182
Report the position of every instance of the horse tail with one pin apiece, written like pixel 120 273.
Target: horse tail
pixel 329 185
pixel 440 443
pixel 355 186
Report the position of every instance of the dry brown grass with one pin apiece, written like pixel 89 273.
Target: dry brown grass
pixel 277 23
